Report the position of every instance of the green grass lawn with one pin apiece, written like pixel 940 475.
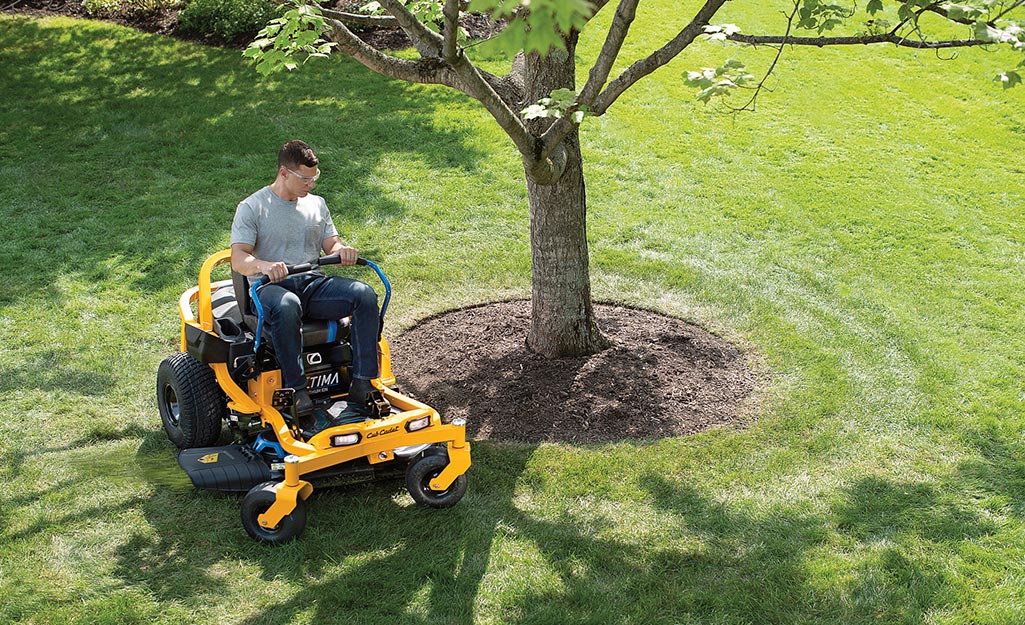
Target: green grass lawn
pixel 861 234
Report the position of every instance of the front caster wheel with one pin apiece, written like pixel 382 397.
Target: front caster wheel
pixel 419 474
pixel 258 500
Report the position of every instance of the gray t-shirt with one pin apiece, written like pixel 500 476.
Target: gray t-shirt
pixel 290 232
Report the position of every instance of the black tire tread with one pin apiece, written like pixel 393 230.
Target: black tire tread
pixel 201 403
pixel 257 501
pixel 422 470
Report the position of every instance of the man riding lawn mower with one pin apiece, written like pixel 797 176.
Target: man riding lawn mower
pixel 227 373
pixel 314 401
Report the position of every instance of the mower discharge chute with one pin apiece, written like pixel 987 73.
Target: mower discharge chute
pixel 226 373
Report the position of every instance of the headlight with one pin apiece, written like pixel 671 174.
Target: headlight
pixel 418 424
pixel 459 422
pixel 344 440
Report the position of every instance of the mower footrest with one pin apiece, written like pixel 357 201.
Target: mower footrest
pixel 232 468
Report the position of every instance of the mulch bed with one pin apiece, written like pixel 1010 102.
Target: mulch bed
pixel 661 377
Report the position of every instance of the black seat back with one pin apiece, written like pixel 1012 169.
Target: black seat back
pixel 241 284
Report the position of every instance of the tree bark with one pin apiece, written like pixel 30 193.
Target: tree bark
pixel 562 317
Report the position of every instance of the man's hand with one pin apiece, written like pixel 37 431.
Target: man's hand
pixel 348 255
pixel 243 261
pixel 275 272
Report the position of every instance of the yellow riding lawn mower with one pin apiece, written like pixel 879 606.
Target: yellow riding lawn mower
pixel 227 375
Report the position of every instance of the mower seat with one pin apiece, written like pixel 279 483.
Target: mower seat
pixel 229 302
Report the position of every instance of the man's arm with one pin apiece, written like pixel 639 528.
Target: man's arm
pixel 243 261
pixel 334 245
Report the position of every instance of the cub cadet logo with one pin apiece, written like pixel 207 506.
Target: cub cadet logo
pixel 314 358
pixel 324 379
pixel 208 459
pixel 390 430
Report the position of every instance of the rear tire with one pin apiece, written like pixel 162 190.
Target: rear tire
pixel 192 406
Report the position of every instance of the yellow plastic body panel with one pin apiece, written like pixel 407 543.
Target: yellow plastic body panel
pixel 384 358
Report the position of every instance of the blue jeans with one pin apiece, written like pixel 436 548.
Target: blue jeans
pixel 316 296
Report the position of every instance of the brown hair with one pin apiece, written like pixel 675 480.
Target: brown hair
pixel 295 153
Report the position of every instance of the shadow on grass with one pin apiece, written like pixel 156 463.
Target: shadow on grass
pixel 998 470
pixel 881 552
pixel 128 152
pixel 369 556
pixel 366 554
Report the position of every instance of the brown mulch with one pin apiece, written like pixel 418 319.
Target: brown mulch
pixel 158 22
pixel 661 377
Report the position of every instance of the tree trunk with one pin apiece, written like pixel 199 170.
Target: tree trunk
pixel 562 317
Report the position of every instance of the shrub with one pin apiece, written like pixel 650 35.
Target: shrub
pixel 128 8
pixel 229 20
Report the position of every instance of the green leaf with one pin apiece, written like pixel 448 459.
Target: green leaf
pixel 986 32
pixel 290 40
pixel 543 28
pixel 956 12
pixel 706 94
pixel 563 98
pixel 874 6
pixel 1009 79
pixel 719 81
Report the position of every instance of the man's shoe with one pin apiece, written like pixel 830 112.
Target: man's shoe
pixel 367 400
pixel 303 404
pixel 359 388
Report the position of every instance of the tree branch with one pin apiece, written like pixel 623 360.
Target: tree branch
pixel 451 13
pixel 891 37
pixel 775 61
pixel 657 59
pixel 599 74
pixel 473 83
pixel 373 21
pixel 456 72
pixel 426 71
pixel 427 42
pixel 598 5
pixel 597 77
pixel 1013 6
